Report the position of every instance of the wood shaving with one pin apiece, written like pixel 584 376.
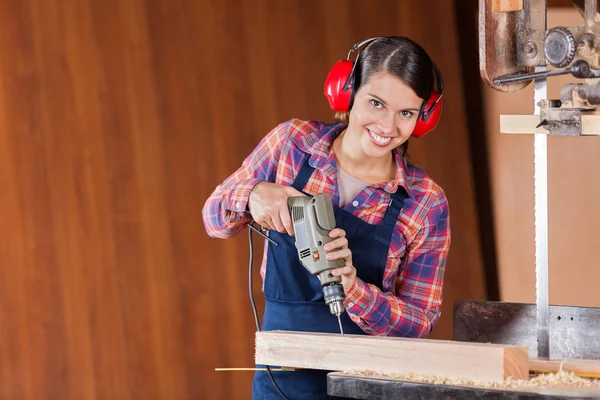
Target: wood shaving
pixel 560 379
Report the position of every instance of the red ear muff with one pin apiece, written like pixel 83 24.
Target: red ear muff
pixel 430 116
pixel 338 86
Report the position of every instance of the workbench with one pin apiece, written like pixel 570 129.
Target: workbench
pixel 372 388
pixel 574 334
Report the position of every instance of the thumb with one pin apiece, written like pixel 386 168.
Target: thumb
pixel 293 192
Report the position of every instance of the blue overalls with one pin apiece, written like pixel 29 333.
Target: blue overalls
pixel 294 297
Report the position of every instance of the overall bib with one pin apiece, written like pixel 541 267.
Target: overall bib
pixel 294 297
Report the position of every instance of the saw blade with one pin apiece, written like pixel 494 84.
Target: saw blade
pixel 540 150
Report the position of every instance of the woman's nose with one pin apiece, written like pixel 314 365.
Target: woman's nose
pixel 387 124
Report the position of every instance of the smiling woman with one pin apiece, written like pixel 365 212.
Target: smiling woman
pixel 396 79
pixel 384 115
pixel 392 222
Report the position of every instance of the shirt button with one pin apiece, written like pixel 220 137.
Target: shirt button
pixel 237 205
pixel 351 304
pixel 355 203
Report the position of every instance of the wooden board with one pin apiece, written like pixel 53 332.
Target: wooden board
pixel 590 124
pixel 333 352
pixel 507 5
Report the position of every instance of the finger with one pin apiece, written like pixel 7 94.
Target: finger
pixel 277 224
pixel 338 243
pixel 265 223
pixel 340 254
pixel 337 232
pixel 286 220
pixel 347 270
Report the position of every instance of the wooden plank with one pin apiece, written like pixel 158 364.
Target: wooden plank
pixel 520 124
pixel 590 124
pixel 449 359
pixel 507 5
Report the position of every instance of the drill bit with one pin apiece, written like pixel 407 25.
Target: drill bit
pixel 340 322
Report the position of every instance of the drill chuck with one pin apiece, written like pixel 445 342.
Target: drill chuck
pixel 334 297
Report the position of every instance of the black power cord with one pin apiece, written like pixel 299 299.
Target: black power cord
pixel 252 228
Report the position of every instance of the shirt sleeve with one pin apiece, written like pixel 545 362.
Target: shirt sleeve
pixel 225 212
pixel 414 311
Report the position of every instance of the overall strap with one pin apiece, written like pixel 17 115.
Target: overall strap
pixel 394 208
pixel 303 176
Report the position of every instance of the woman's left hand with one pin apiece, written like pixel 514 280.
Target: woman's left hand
pixel 338 249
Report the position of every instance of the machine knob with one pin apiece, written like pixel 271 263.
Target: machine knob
pixel 559 47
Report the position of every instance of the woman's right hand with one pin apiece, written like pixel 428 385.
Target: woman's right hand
pixel 268 206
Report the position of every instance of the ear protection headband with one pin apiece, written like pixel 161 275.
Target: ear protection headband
pixel 340 88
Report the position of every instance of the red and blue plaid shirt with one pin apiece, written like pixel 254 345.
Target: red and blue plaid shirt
pixel 409 304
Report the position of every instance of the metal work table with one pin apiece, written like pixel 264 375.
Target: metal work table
pixel 358 387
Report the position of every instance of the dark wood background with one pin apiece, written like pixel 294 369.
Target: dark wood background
pixel 117 120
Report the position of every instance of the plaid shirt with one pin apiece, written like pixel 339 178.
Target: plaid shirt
pixel 409 304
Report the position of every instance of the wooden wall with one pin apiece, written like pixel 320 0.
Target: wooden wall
pixel 117 120
pixel 573 198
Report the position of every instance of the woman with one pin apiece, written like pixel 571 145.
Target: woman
pixel 392 222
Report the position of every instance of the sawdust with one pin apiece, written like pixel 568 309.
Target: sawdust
pixel 560 379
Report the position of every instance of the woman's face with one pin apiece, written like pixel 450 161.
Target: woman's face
pixel 383 115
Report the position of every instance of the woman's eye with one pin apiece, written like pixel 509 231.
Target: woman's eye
pixel 376 103
pixel 406 114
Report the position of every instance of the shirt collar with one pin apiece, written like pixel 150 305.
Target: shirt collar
pixel 319 146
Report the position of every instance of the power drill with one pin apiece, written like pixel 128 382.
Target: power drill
pixel 313 219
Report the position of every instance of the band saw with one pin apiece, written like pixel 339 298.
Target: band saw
pixel 516 50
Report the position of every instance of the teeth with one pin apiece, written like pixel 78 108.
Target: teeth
pixel 380 139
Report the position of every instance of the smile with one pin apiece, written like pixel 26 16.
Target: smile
pixel 378 139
